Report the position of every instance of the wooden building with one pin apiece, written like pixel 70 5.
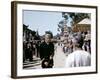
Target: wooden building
pixel 83 25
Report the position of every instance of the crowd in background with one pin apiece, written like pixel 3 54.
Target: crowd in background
pixel 31 47
pixel 83 38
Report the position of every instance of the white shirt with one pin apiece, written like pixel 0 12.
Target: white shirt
pixel 78 58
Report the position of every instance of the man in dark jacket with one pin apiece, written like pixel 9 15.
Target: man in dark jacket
pixel 47 52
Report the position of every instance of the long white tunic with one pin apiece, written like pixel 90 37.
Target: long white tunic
pixel 78 58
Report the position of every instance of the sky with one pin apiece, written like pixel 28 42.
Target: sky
pixel 42 21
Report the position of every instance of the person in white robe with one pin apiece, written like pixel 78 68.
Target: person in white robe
pixel 78 57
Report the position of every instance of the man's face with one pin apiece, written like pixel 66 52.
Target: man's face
pixel 47 38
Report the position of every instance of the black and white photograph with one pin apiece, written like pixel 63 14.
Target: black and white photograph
pixel 54 39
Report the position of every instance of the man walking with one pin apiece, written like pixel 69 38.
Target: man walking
pixel 47 51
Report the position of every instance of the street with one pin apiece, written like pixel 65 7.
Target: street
pixel 59 58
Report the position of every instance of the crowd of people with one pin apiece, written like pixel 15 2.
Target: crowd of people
pixel 45 49
pixel 83 38
pixel 30 49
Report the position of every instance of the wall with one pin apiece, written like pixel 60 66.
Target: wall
pixel 5 40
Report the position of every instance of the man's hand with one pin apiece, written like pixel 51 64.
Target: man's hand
pixel 51 57
pixel 46 63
